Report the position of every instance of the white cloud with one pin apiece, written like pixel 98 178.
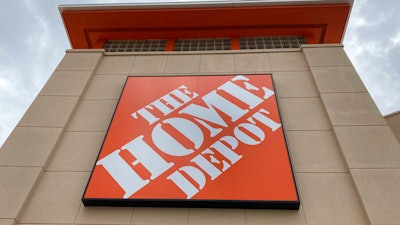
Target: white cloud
pixel 5 85
pixel 372 43
pixel 396 39
pixel 28 55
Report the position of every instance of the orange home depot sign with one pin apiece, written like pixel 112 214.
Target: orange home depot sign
pixel 195 141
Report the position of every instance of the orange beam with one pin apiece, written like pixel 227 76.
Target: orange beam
pixel 320 23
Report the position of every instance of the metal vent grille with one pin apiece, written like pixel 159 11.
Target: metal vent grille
pixel 135 45
pixel 203 44
pixel 271 42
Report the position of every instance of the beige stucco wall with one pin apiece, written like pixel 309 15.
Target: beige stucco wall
pixel 345 157
pixel 393 121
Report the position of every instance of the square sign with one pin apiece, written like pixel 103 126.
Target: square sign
pixel 195 141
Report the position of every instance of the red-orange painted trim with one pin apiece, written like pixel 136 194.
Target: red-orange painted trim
pixel 319 23
pixel 170 45
pixel 99 43
pixel 235 45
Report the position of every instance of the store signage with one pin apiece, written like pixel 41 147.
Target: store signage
pixel 195 141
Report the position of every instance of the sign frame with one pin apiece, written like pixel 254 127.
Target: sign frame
pixel 292 204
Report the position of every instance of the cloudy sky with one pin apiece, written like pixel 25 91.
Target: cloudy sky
pixel 33 41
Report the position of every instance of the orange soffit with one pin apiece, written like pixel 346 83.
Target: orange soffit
pixel 91 27
pixel 195 141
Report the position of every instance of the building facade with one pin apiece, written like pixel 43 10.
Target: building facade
pixel 345 158
pixel 393 121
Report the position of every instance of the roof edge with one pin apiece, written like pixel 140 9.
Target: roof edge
pixel 198 4
pixel 391 114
